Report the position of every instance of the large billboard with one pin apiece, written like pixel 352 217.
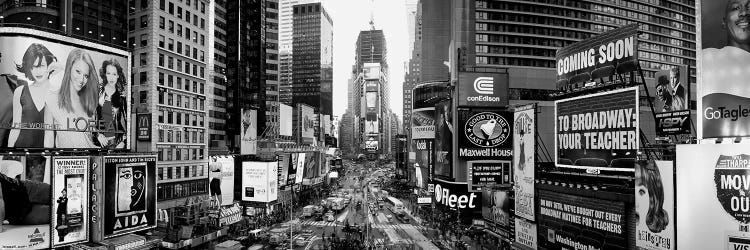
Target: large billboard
pixel 443 139
pixel 298 163
pixel 496 210
pixel 26 201
pixel 67 93
pixel 455 195
pixel 372 71
pixel 423 123
pixel 249 126
pixel 605 51
pixel 526 233
pixel 483 89
pixel 672 102
pixel 70 187
pixel 283 169
pixel 129 194
pixel 285 120
pixel 723 96
pixel 598 131
pixel 259 181
pixel 306 122
pixel 372 142
pixel 312 165
pixel 654 205
pixel 423 159
pixel 712 202
pixel 485 147
pixel 577 222
pixel 221 186
pixel 524 145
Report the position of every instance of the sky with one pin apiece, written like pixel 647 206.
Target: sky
pixel 349 18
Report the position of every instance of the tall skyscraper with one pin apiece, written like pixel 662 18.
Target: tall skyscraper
pixel 272 69
pixel 217 68
pixel 100 21
pixel 171 85
pixel 246 66
pixel 371 48
pixel 312 57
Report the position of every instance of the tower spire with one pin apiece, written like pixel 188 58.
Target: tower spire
pixel 372 18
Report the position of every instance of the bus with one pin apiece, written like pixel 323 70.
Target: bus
pixel 397 207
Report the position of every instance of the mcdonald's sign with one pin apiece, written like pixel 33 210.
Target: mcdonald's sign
pixel 144 127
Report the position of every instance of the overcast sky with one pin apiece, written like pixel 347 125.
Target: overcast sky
pixel 349 18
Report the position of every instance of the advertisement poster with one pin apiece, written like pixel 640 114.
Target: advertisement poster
pixel 496 206
pixel 723 96
pixel 372 71
pixel 423 123
pixel 673 123
pixel 482 89
pixel 598 131
pixel 423 152
pixel 144 127
pixel 443 139
pixel 604 51
pixel 562 218
pixel 524 144
pixel 672 90
pixel 28 211
pixel 306 122
pixel 292 169
pixel 485 148
pixel 101 119
pixel 712 202
pixel 70 187
pixel 221 186
pixel 283 169
pixel 259 181
pixel 654 205
pixel 312 166
pixel 455 195
pixel 285 120
pixel 130 194
pixel 526 233
pixel 299 162
pixel 249 145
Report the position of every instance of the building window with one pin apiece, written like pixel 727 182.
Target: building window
pixel 144 77
pixel 179 12
pixel 161 135
pixel 170 45
pixel 162 22
pixel 161 75
pixel 179 29
pixel 170 97
pixel 203 23
pixel 178 170
pixel 161 113
pixel 187 16
pixel 161 101
pixel 161 41
pixel 144 40
pixel 171 26
pixel 178 136
pixel 131 24
pixel 162 3
pixel 179 47
pixel 161 63
pixel 187 33
pixel 203 8
pixel 144 96
pixel 203 40
pixel 169 77
pixel 171 8
pixel 144 21
pixel 144 59
pixel 169 114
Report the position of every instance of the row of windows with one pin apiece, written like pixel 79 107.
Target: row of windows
pixel 171 173
pixel 175 153
pixel 163 4
pixel 197 88
pixel 169 44
pixel 174 99
pixel 177 136
pixel 170 64
pixel 169 191
pixel 171 28
pixel 176 117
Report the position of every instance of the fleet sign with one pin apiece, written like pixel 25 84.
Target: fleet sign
pixel 605 50
pixel 482 89
pixel 455 195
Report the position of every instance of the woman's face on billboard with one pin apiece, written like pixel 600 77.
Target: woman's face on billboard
pixel 79 75
pixel 641 196
pixel 111 74
pixel 40 69
pixel 736 21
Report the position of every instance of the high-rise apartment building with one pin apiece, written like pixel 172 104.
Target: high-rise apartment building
pixel 246 65
pixel 217 68
pixel 169 50
pixel 272 69
pixel 312 57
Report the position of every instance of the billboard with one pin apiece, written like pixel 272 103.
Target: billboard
pixel 716 175
pixel 564 217
pixel 454 195
pixel 496 206
pixel 371 144
pixel 299 164
pixel 598 131
pixel 221 186
pixel 144 127
pixel 524 146
pixel 654 205
pixel 283 169
pixel 673 123
pixel 292 172
pixel 27 202
pixel 259 181
pixel 605 52
pixel 423 123
pixel 372 71
pixel 70 186
pixel 285 120
pixel 129 194
pixel 312 165
pixel 43 112
pixel 443 139
pixel 306 122
pixel 672 89
pixel 249 126
pixel 482 89
pixel 485 148
pixel 526 233
pixel 723 97
pixel 424 151
pixel 326 123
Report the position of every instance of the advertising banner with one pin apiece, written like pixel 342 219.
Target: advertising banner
pixel 604 51
pixel 312 166
pixel 307 122
pixel 723 97
pixel 144 127
pixel 444 139
pixel 70 193
pixel 484 146
pixel 130 194
pixel 565 216
pixel 45 66
pixel 483 89
pixel 712 204
pixel 372 143
pixel 259 181
pixel 598 131
pixel 423 123
pixel 327 124
pixel 298 163
pixel 496 207
pixel 654 205
pixel 672 90
pixel 284 168
pixel 423 152
pixel 424 200
pixel 524 146
pixel 455 195
pixel 249 126
pixel 372 71
pixel 27 199
pixel 526 233
pixel 221 173
pixel 673 123
pixel 285 120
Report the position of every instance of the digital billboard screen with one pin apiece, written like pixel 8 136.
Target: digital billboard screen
pixel 221 175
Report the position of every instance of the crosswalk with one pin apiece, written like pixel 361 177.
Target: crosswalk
pixel 378 226
pixel 381 241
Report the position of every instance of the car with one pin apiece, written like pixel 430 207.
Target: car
pixel 307 231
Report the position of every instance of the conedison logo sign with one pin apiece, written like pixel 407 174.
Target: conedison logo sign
pixel 484 85
pixel 444 196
